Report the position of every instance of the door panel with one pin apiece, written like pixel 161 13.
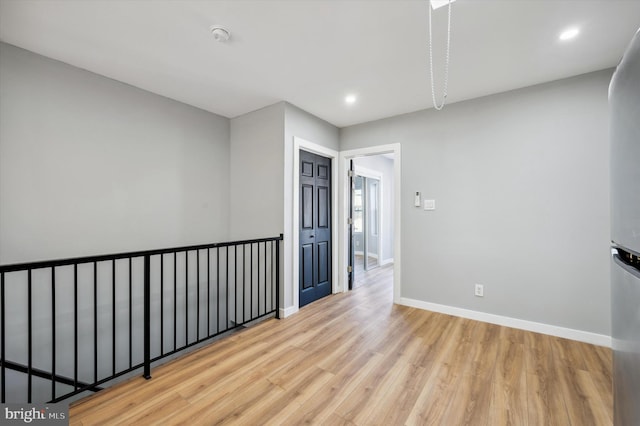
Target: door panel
pixel 323 207
pixel 323 263
pixel 307 206
pixel 306 266
pixel 306 169
pixel 315 227
pixel 323 172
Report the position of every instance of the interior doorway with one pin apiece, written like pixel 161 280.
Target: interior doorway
pixel 372 230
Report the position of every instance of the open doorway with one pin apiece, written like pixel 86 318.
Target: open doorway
pixel 372 219
pixel 372 216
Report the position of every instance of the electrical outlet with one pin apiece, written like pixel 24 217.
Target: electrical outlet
pixel 479 290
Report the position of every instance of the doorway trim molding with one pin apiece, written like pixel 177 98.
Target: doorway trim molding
pixel 344 189
pixel 291 219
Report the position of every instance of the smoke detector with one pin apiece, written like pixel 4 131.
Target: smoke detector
pixel 220 34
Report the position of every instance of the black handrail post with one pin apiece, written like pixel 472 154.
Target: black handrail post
pixel 147 317
pixel 278 276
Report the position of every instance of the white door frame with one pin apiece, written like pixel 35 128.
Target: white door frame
pixel 343 262
pixel 291 260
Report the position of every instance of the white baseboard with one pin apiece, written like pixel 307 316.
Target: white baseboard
pixel 386 261
pixel 552 330
pixel 286 312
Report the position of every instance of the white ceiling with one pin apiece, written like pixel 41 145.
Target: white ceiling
pixel 313 52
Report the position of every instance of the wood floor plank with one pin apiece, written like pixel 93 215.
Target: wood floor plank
pixel 158 415
pixel 221 382
pixel 546 404
pixel 358 402
pixel 395 408
pixel 578 393
pixel 434 400
pixel 568 352
pixel 509 397
pixel 321 405
pixel 435 339
pixel 600 411
pixel 471 402
pixel 539 404
pixel 286 378
pixel 357 359
pixel 138 407
pixel 599 367
pixel 360 343
pixel 336 420
pixel 228 408
pixel 280 408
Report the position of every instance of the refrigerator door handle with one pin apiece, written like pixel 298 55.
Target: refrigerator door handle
pixel 624 265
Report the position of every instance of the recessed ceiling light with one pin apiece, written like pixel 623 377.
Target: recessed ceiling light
pixel 569 34
pixel 435 4
pixel 350 99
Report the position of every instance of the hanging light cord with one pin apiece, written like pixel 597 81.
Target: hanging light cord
pixel 446 66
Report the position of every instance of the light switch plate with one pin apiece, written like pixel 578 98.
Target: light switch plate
pixel 429 204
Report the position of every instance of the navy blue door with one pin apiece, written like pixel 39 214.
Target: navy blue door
pixel 315 227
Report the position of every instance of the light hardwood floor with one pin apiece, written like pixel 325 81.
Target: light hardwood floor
pixel 357 359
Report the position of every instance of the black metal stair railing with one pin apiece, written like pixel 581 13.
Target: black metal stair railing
pixel 70 326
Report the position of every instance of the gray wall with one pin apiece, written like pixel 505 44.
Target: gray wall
pixel 89 165
pixel 307 126
pixel 521 183
pixel 257 163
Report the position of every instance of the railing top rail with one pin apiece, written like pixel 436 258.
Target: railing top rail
pixel 106 257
